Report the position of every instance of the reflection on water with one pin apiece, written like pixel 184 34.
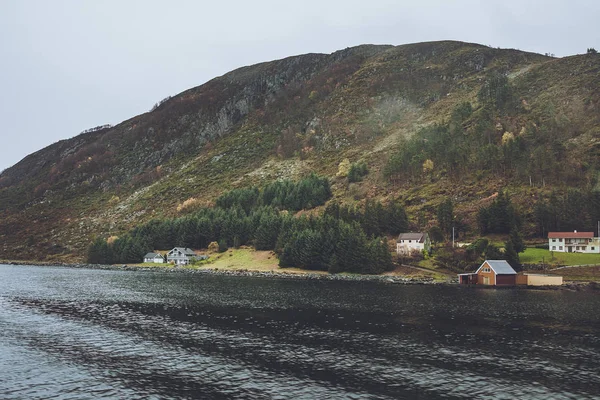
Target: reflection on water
pixel 87 334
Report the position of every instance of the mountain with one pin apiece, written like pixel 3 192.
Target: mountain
pixel 500 118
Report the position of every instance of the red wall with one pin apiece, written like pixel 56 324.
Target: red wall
pixel 506 279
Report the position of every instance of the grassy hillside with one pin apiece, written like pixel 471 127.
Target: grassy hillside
pixel 291 117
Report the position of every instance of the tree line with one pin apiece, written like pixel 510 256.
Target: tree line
pixel 285 194
pixel 573 209
pixel 343 238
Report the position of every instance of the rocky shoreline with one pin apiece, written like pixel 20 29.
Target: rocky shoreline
pixel 390 279
pixel 240 272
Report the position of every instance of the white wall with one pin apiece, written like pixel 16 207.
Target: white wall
pixel 560 245
pixel 407 248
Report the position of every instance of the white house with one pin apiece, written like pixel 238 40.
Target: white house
pixel 573 242
pixel 412 242
pixel 183 256
pixel 154 258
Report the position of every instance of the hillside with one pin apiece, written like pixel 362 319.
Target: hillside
pixel 303 114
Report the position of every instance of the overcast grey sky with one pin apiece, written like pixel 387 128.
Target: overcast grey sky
pixel 68 65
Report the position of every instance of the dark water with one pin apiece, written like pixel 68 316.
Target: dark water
pixel 89 334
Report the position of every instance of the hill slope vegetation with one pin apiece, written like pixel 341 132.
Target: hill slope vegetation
pixel 419 123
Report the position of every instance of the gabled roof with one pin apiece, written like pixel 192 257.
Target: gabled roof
pixel 500 267
pixel 185 250
pixel 418 236
pixel 152 255
pixel 571 235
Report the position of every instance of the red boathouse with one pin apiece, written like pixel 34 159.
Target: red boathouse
pixel 492 273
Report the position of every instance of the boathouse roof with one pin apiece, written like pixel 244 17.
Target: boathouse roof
pixel 500 267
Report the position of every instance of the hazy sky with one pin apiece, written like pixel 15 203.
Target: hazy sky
pixel 66 66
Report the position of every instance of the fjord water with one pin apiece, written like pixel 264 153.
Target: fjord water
pixel 93 334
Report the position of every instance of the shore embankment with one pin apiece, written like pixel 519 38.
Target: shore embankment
pixel 281 274
pixel 303 275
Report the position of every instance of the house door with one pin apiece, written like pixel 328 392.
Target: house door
pixel 486 280
pixel 570 249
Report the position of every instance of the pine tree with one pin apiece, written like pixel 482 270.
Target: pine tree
pixel 511 256
pixel 370 219
pixel 445 216
pixel 436 235
pixel 517 240
pixel 397 220
pixel 222 245
pixel 493 253
pixel 267 231
pixel 99 252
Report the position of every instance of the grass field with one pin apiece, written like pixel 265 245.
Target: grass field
pixel 246 258
pixel 541 256
pixel 243 258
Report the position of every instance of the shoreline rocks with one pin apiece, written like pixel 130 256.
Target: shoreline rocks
pixel 387 279
pixel 241 273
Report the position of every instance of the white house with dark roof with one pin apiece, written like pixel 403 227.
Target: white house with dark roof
pixel 412 242
pixel 573 242
pixel 154 258
pixel 183 256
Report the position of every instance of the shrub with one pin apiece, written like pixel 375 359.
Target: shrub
pixel 357 172
pixel 213 247
pixel 190 203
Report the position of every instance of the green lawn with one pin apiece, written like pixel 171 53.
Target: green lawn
pixel 539 256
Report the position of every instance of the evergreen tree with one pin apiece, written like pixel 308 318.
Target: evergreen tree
pixel 517 240
pixel 511 256
pixel 397 220
pixel 493 253
pixel 445 216
pixel 351 248
pixel 357 172
pixel 99 252
pixel 542 217
pixel 496 91
pixel 380 256
pixel 499 217
pixel 370 219
pixel 267 231
pixel 222 245
pixel 475 249
pixel 436 235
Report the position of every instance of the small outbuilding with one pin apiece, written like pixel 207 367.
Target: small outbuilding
pixel 492 273
pixel 154 258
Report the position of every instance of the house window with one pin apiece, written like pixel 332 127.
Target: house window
pixel 553 240
pixel 560 240
pixel 576 247
pixel 553 247
pixel 560 247
pixel 583 248
pixel 593 248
